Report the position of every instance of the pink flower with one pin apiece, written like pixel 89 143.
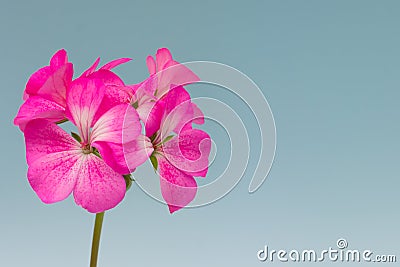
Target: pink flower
pixel 180 152
pixel 45 92
pixel 59 164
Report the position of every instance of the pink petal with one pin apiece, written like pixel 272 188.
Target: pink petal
pixel 55 87
pixel 124 158
pixel 98 188
pixel 59 58
pixel 163 55
pixel 116 62
pixel 37 80
pixel 83 101
pixel 174 73
pixel 54 176
pixel 52 156
pixel 113 155
pixel 107 77
pixel 151 65
pixel 180 111
pixel 43 137
pixel 189 152
pixel 177 188
pixel 91 69
pixel 118 94
pixel 36 107
pixel 138 151
pixel 51 82
pixel 118 125
pixel 155 114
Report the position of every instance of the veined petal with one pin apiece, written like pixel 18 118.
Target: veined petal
pixel 54 176
pixel 98 187
pixel 59 59
pixel 107 77
pixel 189 152
pixel 37 80
pixel 118 125
pixel 124 158
pixel 55 87
pixel 83 100
pixel 52 156
pixel 174 73
pixel 36 107
pixel 152 115
pixel 163 55
pixel 138 151
pixel 43 137
pixel 177 188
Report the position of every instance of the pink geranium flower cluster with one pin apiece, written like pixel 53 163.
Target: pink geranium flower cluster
pixel 119 127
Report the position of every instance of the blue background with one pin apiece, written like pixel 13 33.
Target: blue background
pixel 330 71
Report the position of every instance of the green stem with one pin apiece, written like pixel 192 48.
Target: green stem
pixel 96 238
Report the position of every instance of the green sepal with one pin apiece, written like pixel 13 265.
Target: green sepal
pixel 153 137
pixel 167 139
pixel 128 181
pixel 61 121
pixel 154 162
pixel 76 137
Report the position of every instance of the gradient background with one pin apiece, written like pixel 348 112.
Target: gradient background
pixel 330 71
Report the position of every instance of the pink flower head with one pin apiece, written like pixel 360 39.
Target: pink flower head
pixel 180 152
pixel 45 92
pixel 91 168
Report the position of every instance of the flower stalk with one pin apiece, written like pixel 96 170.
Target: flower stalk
pixel 98 223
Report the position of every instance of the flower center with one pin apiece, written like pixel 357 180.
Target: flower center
pixel 87 149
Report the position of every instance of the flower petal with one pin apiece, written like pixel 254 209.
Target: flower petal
pixel 55 87
pixel 163 55
pixel 151 65
pixel 174 73
pixel 98 188
pixel 177 188
pixel 189 152
pixel 54 176
pixel 114 63
pixel 107 77
pixel 118 125
pixel 124 158
pixel 52 156
pixel 36 107
pixel 43 137
pixel 59 59
pixel 91 69
pixel 37 80
pixel 83 100
pixel 138 151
